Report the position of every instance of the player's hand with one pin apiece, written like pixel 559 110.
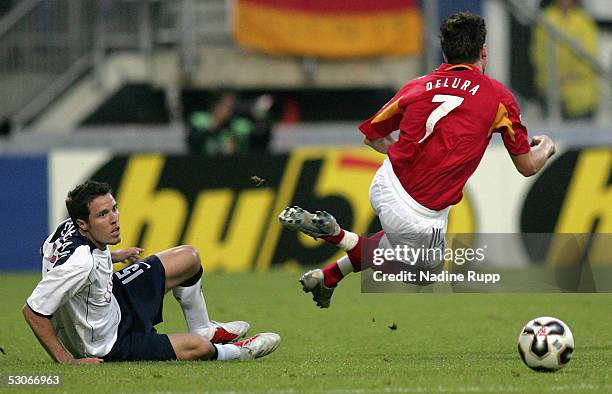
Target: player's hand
pixel 544 142
pixel 131 254
pixel 380 145
pixel 90 360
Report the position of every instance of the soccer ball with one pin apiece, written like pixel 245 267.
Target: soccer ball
pixel 546 344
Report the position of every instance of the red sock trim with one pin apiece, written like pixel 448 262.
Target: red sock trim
pixel 331 272
pixel 356 254
pixel 331 275
pixel 377 236
pixel 334 239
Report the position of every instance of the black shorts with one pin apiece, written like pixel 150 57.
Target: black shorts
pixel 139 290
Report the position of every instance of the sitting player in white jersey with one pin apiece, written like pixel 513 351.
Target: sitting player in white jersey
pixel 83 313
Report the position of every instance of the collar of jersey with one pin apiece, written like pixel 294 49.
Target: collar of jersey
pixel 87 241
pixel 456 67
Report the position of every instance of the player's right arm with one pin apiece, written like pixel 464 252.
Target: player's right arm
pixel 530 163
pixel 378 128
pixel 380 145
pixel 43 328
pixel 63 281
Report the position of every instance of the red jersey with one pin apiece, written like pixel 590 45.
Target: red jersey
pixel 446 120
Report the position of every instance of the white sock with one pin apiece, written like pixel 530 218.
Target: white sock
pixel 228 352
pixel 194 307
pixel 344 263
pixel 349 241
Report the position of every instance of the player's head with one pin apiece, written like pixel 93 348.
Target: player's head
pixel 94 212
pixel 462 37
pixel 565 5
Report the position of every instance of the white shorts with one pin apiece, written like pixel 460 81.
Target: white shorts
pixel 405 221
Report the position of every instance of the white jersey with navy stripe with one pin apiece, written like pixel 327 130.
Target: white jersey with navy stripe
pixel 77 291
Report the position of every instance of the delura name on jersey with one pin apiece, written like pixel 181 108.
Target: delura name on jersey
pixel 456 83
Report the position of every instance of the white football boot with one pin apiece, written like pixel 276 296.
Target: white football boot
pixel 258 345
pixel 225 332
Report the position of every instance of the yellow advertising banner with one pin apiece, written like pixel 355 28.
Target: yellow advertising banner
pixel 232 220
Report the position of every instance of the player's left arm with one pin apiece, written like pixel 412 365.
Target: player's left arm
pixel 131 254
pixel 530 163
pixel 528 158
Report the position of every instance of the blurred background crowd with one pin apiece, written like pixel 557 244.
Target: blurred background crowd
pixel 217 77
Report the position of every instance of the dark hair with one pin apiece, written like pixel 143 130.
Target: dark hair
pixel 79 198
pixel 462 36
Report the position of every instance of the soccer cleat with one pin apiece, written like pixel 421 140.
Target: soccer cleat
pixel 316 225
pixel 258 345
pixel 312 282
pixel 226 332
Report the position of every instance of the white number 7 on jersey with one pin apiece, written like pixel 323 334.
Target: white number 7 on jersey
pixel 449 103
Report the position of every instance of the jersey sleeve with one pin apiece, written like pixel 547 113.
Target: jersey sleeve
pixel 508 122
pixel 61 283
pixel 387 119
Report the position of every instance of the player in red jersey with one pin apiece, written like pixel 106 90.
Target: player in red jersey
pixel 446 120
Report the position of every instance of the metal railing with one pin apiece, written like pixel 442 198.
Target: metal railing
pixel 528 14
pixel 45 46
pixel 41 44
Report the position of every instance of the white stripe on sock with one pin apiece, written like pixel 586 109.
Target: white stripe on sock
pixel 345 265
pixel 348 241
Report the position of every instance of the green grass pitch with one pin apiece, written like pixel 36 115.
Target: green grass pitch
pixel 443 342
